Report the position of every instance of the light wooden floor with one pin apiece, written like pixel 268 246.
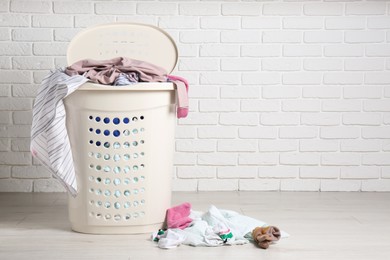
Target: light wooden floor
pixel 322 226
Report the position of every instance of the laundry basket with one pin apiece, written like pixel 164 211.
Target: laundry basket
pixel 122 137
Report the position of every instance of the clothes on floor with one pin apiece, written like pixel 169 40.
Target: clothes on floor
pixel 216 228
pixel 264 236
pixel 178 217
pixel 108 71
pixel 168 239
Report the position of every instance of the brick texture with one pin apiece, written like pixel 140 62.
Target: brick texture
pixel 285 95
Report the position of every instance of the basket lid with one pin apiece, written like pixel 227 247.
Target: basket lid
pixel 135 41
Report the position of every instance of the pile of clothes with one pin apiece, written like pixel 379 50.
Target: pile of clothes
pixel 49 139
pixel 122 71
pixel 216 227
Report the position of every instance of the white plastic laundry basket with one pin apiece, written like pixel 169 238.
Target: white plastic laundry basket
pixel 122 137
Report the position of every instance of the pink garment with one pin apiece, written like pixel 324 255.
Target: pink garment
pixel 178 216
pixel 107 71
pixel 182 93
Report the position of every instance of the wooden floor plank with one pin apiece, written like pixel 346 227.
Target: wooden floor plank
pixel 322 226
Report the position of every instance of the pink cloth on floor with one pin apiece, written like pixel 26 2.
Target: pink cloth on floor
pixel 178 216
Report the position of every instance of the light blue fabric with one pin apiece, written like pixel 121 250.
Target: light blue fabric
pixel 126 79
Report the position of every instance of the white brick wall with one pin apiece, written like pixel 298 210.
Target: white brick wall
pixel 285 95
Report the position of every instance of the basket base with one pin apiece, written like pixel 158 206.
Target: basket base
pixel 115 230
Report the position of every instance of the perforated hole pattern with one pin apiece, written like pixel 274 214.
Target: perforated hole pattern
pixel 116 178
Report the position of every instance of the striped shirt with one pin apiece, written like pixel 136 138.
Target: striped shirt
pixel 49 138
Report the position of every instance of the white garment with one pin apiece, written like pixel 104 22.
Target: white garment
pixel 170 239
pixel 200 233
pixel 49 138
pixel 203 231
